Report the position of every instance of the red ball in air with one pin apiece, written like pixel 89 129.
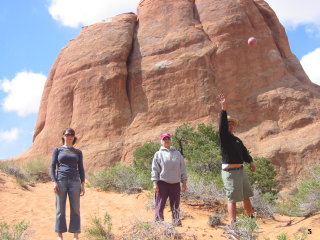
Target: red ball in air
pixel 252 41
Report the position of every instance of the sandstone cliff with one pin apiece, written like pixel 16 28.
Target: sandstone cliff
pixel 122 82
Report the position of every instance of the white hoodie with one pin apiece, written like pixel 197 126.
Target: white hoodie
pixel 168 165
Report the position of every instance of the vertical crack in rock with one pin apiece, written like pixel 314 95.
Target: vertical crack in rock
pixel 208 58
pixel 197 19
pixel 128 62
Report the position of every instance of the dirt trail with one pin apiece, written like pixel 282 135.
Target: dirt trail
pixel 36 206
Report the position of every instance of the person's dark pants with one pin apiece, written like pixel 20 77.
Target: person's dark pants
pixel 70 187
pixel 173 192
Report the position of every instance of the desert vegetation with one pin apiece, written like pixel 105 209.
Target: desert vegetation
pixel 27 173
pixel 99 229
pixel 304 201
pixel 17 231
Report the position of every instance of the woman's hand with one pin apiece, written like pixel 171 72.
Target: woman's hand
pixel 184 187
pixel 82 190
pixel 56 188
pixel 155 187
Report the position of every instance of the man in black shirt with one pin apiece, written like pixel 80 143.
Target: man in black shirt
pixel 234 153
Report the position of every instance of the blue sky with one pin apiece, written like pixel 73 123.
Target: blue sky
pixel 34 31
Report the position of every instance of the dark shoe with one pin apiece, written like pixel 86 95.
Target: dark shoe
pixel 177 223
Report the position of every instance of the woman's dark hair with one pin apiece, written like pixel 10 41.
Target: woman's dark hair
pixel 69 130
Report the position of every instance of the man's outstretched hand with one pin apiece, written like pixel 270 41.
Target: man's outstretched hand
pixel 222 101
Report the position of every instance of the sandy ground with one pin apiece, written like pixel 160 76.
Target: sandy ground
pixel 36 206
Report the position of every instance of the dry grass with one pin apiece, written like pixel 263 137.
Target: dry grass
pixel 151 230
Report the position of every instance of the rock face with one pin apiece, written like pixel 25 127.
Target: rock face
pixel 121 83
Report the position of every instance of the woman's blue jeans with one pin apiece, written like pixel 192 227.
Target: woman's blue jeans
pixel 70 187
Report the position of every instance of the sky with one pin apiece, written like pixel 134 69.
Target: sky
pixel 34 31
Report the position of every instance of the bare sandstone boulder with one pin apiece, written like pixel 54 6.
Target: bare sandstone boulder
pixel 121 83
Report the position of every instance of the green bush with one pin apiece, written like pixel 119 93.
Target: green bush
pixel 264 178
pixel 201 149
pixel 15 232
pixel 282 236
pixel 143 156
pixel 37 169
pixel 120 178
pixel 100 229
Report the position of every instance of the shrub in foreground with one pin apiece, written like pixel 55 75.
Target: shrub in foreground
pixel 244 228
pixel 16 232
pixel 100 229
pixel 151 230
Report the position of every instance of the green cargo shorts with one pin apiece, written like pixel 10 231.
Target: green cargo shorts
pixel 236 185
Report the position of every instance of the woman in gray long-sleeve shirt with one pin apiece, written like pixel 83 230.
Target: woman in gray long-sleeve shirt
pixel 68 174
pixel 168 170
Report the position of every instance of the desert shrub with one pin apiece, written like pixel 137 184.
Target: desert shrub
pixel 14 169
pixel 100 229
pixel 244 228
pixel 202 192
pixel 282 236
pixel 16 232
pixel 264 178
pixel 263 204
pixel 143 156
pixel 11 168
pixel 151 230
pixel 306 200
pixel 119 178
pixel 28 173
pixel 37 169
pixel 214 220
pixel 201 149
pixel 303 236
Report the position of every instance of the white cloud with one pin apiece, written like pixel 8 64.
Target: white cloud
pixel 73 13
pixel 10 135
pixel 23 92
pixel 292 13
pixel 310 64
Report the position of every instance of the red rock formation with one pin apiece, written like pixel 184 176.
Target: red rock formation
pixel 121 83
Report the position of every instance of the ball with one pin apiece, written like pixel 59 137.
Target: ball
pixel 252 41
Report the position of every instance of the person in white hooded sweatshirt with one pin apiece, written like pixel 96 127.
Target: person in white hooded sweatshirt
pixel 168 171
